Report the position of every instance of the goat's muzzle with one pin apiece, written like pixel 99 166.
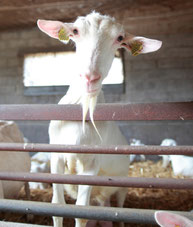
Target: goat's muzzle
pixel 91 82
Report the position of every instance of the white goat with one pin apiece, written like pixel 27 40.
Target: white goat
pixel 97 38
pixel 40 163
pixel 12 161
pixel 166 158
pixel 167 219
pixel 133 157
pixel 181 164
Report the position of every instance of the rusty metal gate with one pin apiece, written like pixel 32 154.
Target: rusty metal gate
pixel 112 112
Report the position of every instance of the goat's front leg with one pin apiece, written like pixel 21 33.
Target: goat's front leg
pixel 57 167
pixel 120 196
pixel 91 168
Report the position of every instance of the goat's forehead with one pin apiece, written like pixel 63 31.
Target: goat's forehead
pixel 98 23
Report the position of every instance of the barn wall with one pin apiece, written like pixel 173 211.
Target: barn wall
pixel 166 75
pixel 163 76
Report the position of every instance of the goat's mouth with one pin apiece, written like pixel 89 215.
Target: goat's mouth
pixel 93 89
pixel 93 92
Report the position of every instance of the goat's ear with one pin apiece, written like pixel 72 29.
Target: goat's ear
pixel 55 29
pixel 140 45
pixel 166 219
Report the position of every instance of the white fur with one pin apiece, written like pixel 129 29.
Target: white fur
pixel 133 157
pixel 96 44
pixel 166 158
pixel 40 163
pixel 181 164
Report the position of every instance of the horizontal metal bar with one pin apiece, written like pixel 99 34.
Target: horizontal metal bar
pixel 111 181
pixel 144 216
pixel 96 149
pixel 115 112
pixel 16 224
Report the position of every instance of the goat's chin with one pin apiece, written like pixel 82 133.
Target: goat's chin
pixel 94 92
pixel 89 103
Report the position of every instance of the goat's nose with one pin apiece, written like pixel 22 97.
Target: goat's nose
pixel 91 77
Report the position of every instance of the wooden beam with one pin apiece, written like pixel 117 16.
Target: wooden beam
pixel 138 15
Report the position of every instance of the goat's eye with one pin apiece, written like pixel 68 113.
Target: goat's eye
pixel 120 38
pixel 75 31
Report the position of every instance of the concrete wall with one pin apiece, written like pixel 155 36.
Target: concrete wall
pixel 164 76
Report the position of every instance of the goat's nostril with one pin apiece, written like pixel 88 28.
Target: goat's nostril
pixel 87 78
pixel 91 78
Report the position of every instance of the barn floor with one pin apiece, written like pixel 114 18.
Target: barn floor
pixel 136 198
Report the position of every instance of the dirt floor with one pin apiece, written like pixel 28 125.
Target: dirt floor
pixel 163 199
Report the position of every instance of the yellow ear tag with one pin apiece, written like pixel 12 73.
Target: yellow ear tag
pixel 62 35
pixel 136 47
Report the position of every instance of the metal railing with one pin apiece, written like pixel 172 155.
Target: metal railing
pixel 103 112
pixel 143 216
pixel 111 112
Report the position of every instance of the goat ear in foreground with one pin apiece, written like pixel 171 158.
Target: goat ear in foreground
pixel 55 29
pixel 166 219
pixel 140 45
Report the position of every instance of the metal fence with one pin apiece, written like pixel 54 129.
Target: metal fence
pixel 110 112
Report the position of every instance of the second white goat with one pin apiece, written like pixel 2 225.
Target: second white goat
pixel 133 157
pixel 181 164
pixel 40 163
pixel 97 38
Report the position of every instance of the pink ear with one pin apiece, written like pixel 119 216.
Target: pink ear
pixel 166 219
pixel 148 45
pixel 51 28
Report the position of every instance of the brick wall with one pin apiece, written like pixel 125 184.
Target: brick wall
pixel 13 46
pixel 163 76
pixel 166 75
